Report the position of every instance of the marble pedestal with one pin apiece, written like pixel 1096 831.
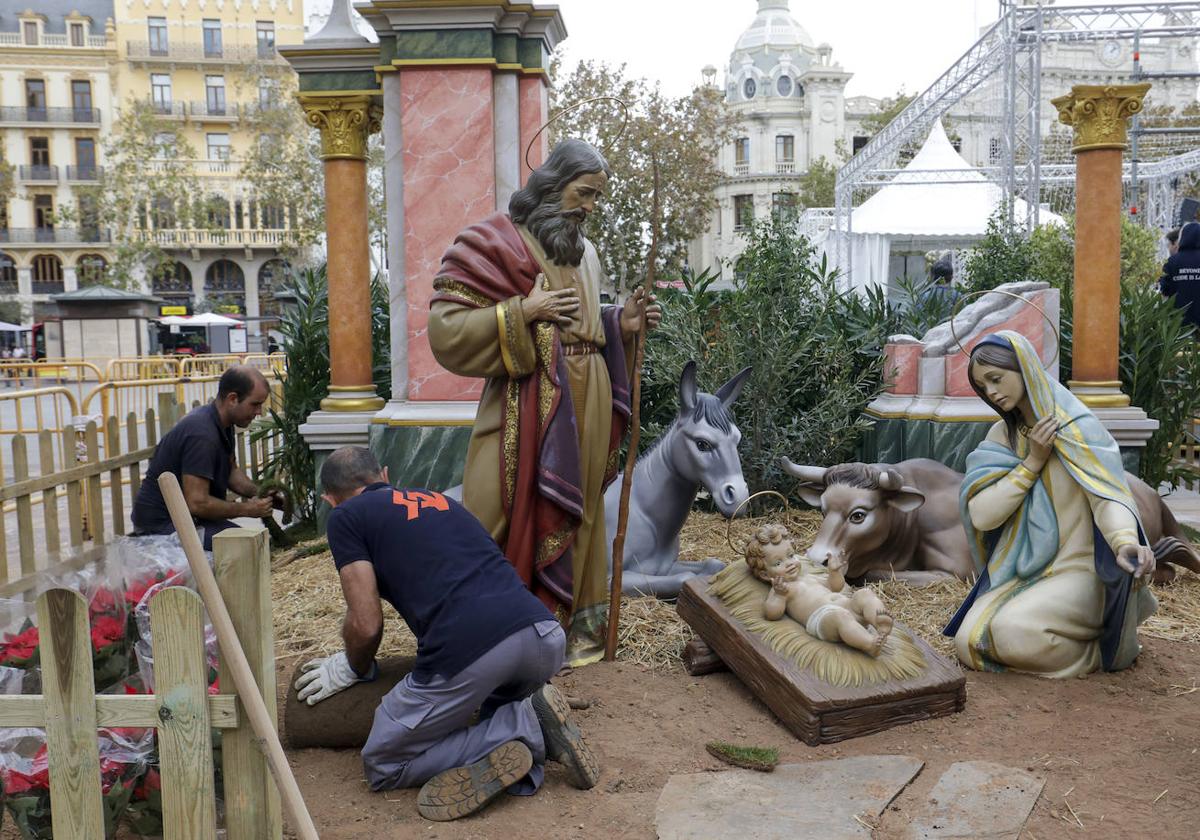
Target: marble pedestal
pixel 423 443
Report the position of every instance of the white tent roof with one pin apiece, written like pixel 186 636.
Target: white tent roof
pixel 212 319
pixel 938 194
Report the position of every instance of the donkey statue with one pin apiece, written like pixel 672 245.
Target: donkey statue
pixel 699 449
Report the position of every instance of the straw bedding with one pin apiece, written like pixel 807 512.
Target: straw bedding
pixel 309 607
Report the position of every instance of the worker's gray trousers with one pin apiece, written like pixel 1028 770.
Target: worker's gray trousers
pixel 422 729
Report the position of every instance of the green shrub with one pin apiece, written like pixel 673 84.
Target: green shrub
pixel 815 353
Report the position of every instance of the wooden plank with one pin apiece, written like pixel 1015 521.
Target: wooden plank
pixel 242 562
pixel 4 558
pixel 95 501
pixel 112 445
pixel 241 449
pixel 816 711
pixel 50 494
pixel 74 752
pixel 112 710
pixel 135 469
pixel 24 508
pixel 74 489
pixel 75 473
pixel 165 415
pixel 151 428
pixel 699 659
pixel 184 741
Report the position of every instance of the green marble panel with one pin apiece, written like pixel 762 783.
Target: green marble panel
pixel 533 54
pixel 893 439
pixel 387 49
pixel 335 81
pixel 1131 457
pixel 323 508
pixel 422 456
pixel 953 442
pixel 444 43
pixel 504 48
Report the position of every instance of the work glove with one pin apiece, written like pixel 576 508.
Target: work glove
pixel 322 678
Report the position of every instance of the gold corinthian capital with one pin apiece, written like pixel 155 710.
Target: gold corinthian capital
pixel 1098 114
pixel 344 123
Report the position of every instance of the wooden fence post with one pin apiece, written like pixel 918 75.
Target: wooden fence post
pixel 49 495
pixel 242 562
pixel 112 449
pixel 24 508
pixel 95 501
pixel 166 418
pixel 184 734
pixel 70 702
pixel 74 488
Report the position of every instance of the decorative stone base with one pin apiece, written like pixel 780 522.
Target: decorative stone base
pixel 945 429
pixel 326 431
pixel 1132 428
pixel 423 444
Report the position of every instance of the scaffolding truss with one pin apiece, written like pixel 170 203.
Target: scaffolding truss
pixel 998 94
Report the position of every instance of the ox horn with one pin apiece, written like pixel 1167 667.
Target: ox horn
pixel 809 475
pixel 890 480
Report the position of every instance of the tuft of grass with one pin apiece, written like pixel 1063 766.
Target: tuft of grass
pixel 762 759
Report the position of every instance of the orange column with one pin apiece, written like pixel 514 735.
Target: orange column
pixel 1098 113
pixel 345 122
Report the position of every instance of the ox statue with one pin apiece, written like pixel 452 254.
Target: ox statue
pixel 698 450
pixel 901 521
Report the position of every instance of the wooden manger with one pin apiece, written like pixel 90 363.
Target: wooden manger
pixel 814 710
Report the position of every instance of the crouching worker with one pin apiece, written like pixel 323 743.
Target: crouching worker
pixel 484 644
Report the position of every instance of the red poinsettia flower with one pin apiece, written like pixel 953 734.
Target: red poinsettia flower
pixel 20 647
pixel 106 630
pixel 37 779
pixel 104 602
pixel 137 589
pixel 150 783
pixel 215 686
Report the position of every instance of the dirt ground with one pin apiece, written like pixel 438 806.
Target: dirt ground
pixel 1120 754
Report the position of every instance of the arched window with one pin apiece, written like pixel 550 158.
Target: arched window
pixel 225 276
pixel 784 85
pixel 162 212
pixel 274 276
pixel 216 212
pixel 272 217
pixel 8 274
pixel 47 274
pixel 91 269
pixel 173 280
pixel 749 88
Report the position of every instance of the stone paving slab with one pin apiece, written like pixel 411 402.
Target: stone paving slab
pixel 816 800
pixel 977 799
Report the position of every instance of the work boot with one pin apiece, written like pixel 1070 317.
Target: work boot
pixel 460 791
pixel 564 741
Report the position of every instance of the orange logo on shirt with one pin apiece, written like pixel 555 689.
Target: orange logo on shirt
pixel 416 501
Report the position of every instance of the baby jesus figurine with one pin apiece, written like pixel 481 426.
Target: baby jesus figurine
pixel 859 619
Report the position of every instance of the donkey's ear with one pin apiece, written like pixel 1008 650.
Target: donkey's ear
pixel 687 389
pixel 731 390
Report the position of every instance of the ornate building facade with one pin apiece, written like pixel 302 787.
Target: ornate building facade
pixel 67 70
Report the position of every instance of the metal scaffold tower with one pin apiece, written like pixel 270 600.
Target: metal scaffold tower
pixel 995 102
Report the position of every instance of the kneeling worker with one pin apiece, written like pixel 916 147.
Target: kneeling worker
pixel 484 643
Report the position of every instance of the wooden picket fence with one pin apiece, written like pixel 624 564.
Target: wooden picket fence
pixel 181 710
pixel 97 471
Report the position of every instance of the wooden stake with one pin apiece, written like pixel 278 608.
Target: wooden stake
pixel 231 649
pixel 635 420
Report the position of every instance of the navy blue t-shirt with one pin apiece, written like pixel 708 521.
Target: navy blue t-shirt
pixel 197 445
pixel 440 568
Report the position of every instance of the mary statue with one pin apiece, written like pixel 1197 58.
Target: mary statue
pixel 1053 529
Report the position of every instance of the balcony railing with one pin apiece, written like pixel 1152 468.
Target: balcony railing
pixel 194 52
pixel 201 237
pixel 48 287
pixel 67 116
pixel 61 236
pixel 227 110
pixel 785 167
pixel 741 169
pixel 197 167
pixel 84 173
pixel 39 173
pixel 14 39
pixel 167 109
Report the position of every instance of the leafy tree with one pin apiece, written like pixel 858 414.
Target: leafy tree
pixel 889 109
pixel 684 134
pixel 11 310
pixel 817 184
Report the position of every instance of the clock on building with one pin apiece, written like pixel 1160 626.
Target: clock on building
pixel 1111 53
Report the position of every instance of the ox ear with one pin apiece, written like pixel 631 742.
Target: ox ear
pixel 906 499
pixel 731 390
pixel 812 481
pixel 687 389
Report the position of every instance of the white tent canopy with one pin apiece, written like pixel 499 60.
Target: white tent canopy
pixel 938 200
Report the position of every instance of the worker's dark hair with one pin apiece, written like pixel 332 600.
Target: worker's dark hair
pixel 239 380
pixel 348 469
pixel 1173 235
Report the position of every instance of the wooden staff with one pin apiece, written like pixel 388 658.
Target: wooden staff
pixel 231 648
pixel 635 419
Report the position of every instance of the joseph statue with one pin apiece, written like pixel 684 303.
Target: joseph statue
pixel 517 301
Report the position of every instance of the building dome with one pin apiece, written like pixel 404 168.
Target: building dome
pixel 774 28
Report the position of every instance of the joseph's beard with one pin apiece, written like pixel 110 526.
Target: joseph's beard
pixel 560 232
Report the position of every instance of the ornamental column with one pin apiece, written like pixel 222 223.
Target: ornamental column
pixel 1098 114
pixel 344 122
